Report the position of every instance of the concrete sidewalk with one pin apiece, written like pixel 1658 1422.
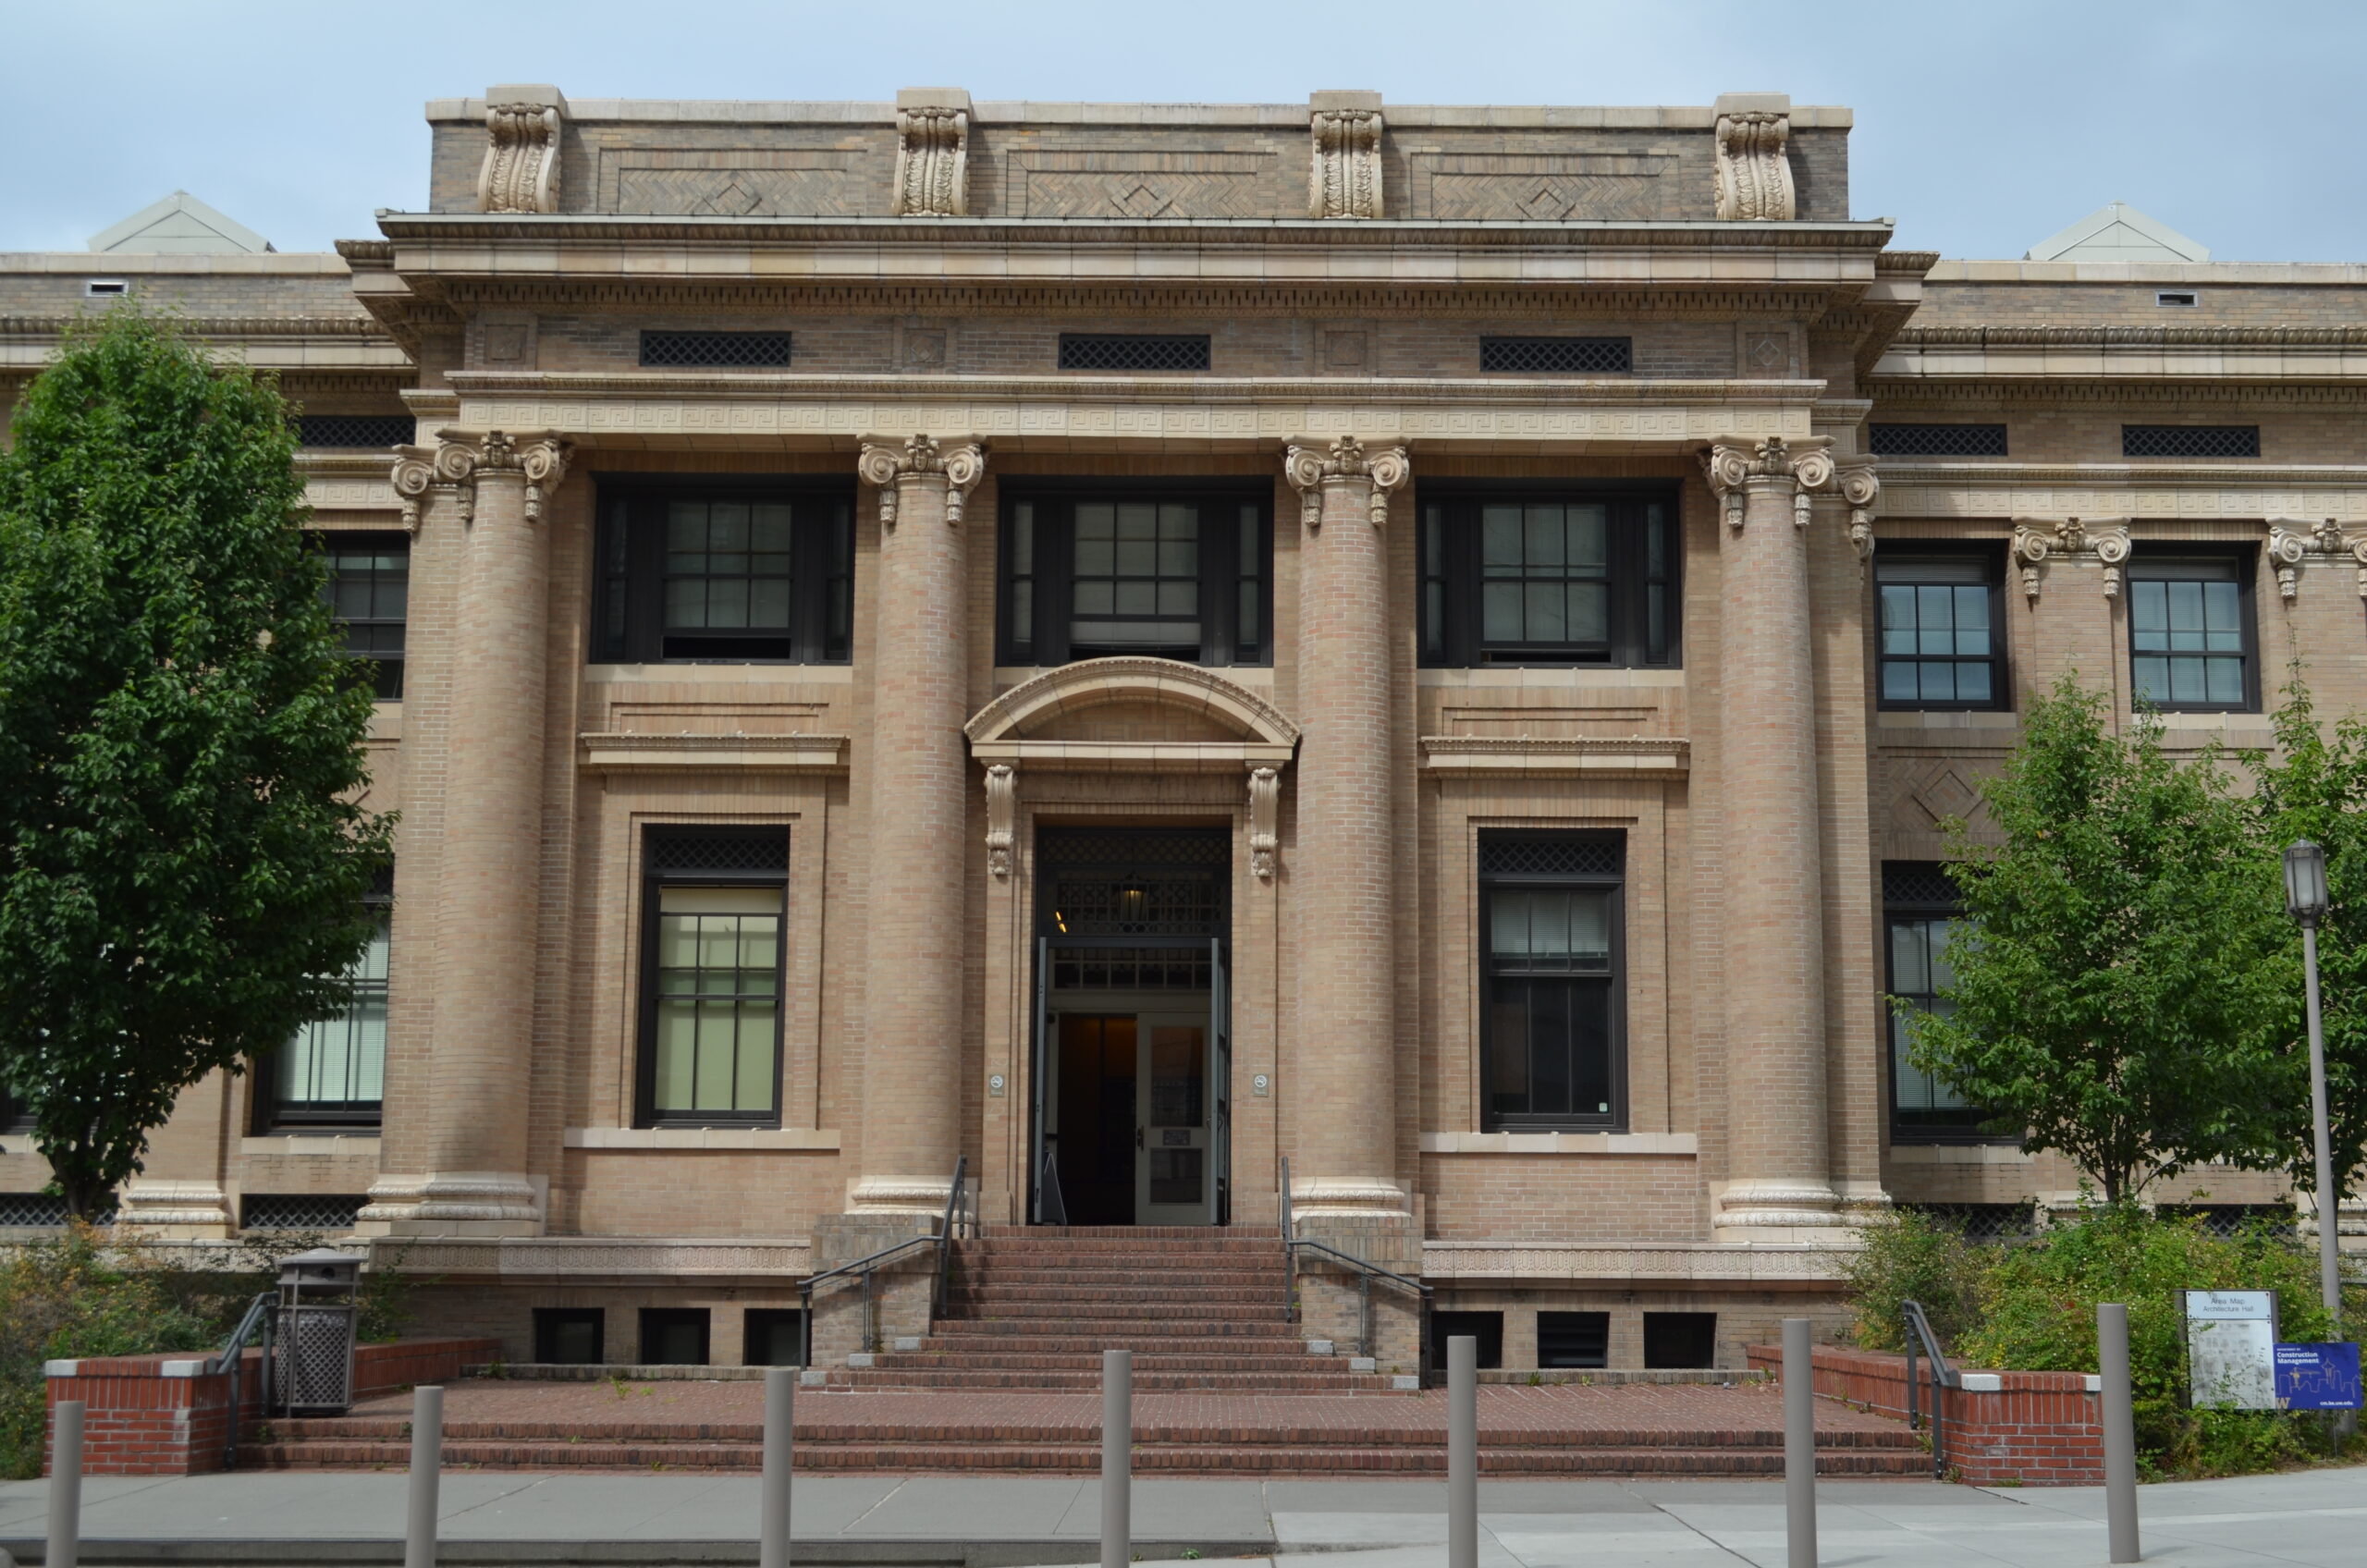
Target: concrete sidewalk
pixel 2317 1518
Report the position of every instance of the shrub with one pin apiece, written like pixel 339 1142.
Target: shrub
pixel 1912 1256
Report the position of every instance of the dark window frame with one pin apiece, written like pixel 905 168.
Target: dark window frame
pixel 1559 1334
pixel 2246 562
pixel 1449 577
pixel 658 1318
pixel 1052 581
pixel 653 881
pixel 548 1320
pixel 1660 1355
pixel 1485 1325
pixel 771 1317
pixel 386 665
pixel 630 576
pixel 1614 978
pixel 269 1115
pixel 2000 670
pixel 1898 907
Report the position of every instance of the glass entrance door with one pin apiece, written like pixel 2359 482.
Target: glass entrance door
pixel 1173 1099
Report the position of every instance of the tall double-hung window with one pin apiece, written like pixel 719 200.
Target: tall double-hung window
pixel 714 913
pixel 735 572
pixel 1922 916
pixel 1548 577
pixel 333 1073
pixel 369 586
pixel 1152 571
pixel 1552 967
pixel 2190 638
pixel 1943 634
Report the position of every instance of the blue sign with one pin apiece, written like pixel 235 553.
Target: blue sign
pixel 2322 1376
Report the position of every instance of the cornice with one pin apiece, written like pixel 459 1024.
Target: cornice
pixel 216 326
pixel 606 751
pixel 2172 474
pixel 1891 392
pixel 2106 335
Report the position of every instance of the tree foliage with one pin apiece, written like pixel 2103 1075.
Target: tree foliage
pixel 2315 787
pixel 182 859
pixel 2123 949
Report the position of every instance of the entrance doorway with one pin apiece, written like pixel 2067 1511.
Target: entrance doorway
pixel 1131 1082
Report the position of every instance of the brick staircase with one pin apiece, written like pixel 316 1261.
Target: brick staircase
pixel 1203 1310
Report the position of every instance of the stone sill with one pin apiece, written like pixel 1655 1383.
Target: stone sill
pixel 1134 756
pixel 1683 1144
pixel 1968 721
pixel 689 673
pixel 632 752
pixel 642 1139
pixel 1557 676
pixel 1527 755
pixel 1960 1154
pixel 313 1145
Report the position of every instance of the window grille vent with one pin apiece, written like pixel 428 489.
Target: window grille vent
pixel 715 350
pixel 1558 356
pixel 1918 882
pixel 301 1211
pixel 1988 1222
pixel 1938 440
pixel 2190 440
pixel 2232 1219
pixel 356 430
pixel 1146 849
pixel 1132 350
pixel 1549 857
pixel 766 850
pixel 31 1209
pixel 1130 969
pixel 2183 297
pixel 1165 904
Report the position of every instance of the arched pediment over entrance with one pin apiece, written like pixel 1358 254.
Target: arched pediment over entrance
pixel 1132 713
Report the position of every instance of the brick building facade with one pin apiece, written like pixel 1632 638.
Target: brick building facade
pixel 1137 648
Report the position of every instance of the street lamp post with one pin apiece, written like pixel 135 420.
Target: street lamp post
pixel 2305 901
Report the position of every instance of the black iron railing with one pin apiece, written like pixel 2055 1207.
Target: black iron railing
pixel 1367 1275
pixel 255 1325
pixel 1942 1376
pixel 865 1270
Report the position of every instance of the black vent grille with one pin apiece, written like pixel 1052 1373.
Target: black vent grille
pixel 1070 847
pixel 1922 883
pixel 1549 856
pixel 356 430
pixel 301 1211
pixel 1983 1221
pixel 1558 356
pixel 2232 1219
pixel 766 850
pixel 1157 905
pixel 1938 440
pixel 1131 969
pixel 715 350
pixel 2190 440
pixel 25 1210
pixel 1129 351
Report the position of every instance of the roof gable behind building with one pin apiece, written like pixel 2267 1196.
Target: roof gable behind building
pixel 180 224
pixel 2118 232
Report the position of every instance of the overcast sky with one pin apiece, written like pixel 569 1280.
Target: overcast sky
pixel 1984 126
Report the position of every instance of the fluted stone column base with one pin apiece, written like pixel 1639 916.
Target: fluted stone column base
pixel 885 1196
pixel 456 1203
pixel 187 1211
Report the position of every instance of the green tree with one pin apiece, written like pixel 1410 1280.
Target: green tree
pixel 2315 787
pixel 182 859
pixel 2121 950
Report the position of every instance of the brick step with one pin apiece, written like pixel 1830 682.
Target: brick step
pixel 1099 1273
pixel 1145 1382
pixel 1176 1254
pixel 1085 1459
pixel 1053 1338
pixel 996 1293
pixel 1214 1235
pixel 1002 1359
pixel 1112 1311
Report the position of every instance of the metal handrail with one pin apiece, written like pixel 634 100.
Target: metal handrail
pixel 1919 1333
pixel 1366 1272
pixel 865 1267
pixel 953 1204
pixel 1290 1258
pixel 255 1324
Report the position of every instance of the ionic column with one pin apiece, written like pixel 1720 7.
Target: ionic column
pixel 488 894
pixel 1779 1167
pixel 920 847
pixel 1343 870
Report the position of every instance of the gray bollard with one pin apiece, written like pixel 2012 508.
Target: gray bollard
pixel 65 1484
pixel 1462 1452
pixel 2120 1431
pixel 781 1432
pixel 426 1471
pixel 1117 1457
pixel 1799 1445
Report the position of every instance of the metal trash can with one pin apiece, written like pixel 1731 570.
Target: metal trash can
pixel 311 1370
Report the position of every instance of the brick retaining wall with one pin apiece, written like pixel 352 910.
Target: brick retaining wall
pixel 2034 1429
pixel 165 1416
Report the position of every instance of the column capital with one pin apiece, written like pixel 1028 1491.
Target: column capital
pixel 460 457
pixel 2103 541
pixel 1311 469
pixel 1736 464
pixel 889 463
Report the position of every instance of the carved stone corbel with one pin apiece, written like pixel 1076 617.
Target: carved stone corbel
pixel 1343 180
pixel 1310 468
pixel 1861 492
pixel 2037 540
pixel 889 464
pixel 932 152
pixel 1002 804
pixel 521 173
pixel 1265 810
pixel 2286 549
pixel 1753 174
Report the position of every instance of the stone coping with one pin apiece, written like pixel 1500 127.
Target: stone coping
pixel 2352 273
pixel 695 1138
pixel 1180 116
pixel 1684 1145
pixel 1630 1264
pixel 1523 756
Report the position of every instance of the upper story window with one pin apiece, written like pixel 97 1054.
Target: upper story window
pixel 714 902
pixel 1921 917
pixel 740 572
pixel 1552 972
pixel 2190 440
pixel 1166 573
pixel 1549 578
pixel 2190 635
pixel 1942 637
pixel 333 1073
pixel 368 587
